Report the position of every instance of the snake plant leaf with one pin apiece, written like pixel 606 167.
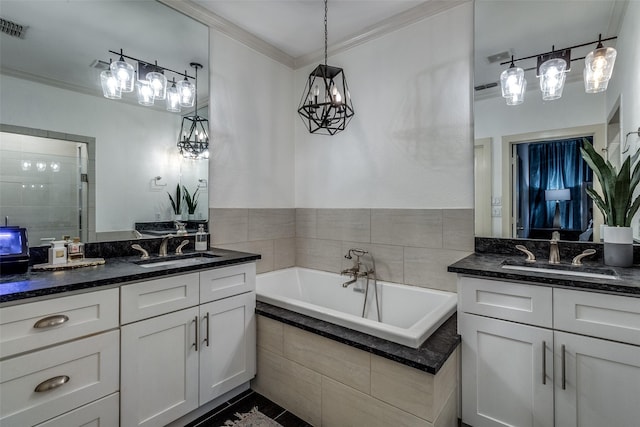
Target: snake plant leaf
pixel 191 200
pixel 600 204
pixel 601 169
pixel 621 200
pixel 175 203
pixel 632 211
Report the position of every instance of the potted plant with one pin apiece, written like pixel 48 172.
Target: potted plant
pixel 192 202
pixel 176 203
pixel 617 203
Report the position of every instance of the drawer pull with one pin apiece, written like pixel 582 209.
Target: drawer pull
pixel 51 321
pixel 207 338
pixel 51 383
pixel 544 362
pixel 564 368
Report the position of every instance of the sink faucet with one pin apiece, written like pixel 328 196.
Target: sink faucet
pixel 577 260
pixel 164 243
pixel 554 254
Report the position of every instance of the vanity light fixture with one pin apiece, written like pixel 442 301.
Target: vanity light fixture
pixel 598 67
pixel 150 83
pixel 513 84
pixel 326 106
pixel 552 67
pixel 193 140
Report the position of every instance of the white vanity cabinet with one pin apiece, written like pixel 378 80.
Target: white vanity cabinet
pixel 187 350
pixel 527 359
pixel 60 361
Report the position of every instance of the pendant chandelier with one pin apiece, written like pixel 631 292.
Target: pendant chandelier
pixel 325 106
pixel 193 140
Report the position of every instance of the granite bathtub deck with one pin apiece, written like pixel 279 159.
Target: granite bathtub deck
pixel 115 271
pixel 489 266
pixel 428 358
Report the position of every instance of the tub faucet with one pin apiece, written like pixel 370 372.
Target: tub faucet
pixel 356 271
pixel 163 245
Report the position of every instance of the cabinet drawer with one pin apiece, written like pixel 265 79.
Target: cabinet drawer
pixel 91 365
pixel 102 413
pixel 228 281
pixel 155 297
pixel 600 315
pixel 32 325
pixel 504 300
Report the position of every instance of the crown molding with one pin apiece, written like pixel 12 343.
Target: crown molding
pixel 393 23
pixel 207 17
pixel 415 14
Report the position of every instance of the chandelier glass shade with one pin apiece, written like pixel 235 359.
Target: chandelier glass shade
pixel 325 106
pixel 110 87
pixel 145 93
pixel 186 91
pixel 552 78
pixel 598 67
pixel 158 83
pixel 173 98
pixel 513 84
pixel 124 73
pixel 193 140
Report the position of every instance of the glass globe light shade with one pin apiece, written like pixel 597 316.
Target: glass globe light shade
pixel 187 92
pixel 158 83
pixel 598 67
pixel 110 87
pixel 513 85
pixel 145 93
pixel 124 73
pixel 552 77
pixel 173 99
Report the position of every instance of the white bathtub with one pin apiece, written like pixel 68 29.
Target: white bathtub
pixel 409 314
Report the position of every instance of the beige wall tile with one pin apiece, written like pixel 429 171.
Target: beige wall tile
pixel 290 385
pixel 323 255
pixel 270 335
pixel 407 227
pixel 458 229
pixel 284 253
pixel 344 406
pixel 228 225
pixel 341 362
pixel 271 224
pixel 344 224
pixel 306 221
pixel 389 260
pixel 262 247
pixel 404 387
pixel 428 267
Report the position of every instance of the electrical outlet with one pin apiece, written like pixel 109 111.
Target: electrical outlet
pixel 496 201
pixel 496 212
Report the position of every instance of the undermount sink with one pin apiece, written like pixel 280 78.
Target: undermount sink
pixel 177 260
pixel 566 270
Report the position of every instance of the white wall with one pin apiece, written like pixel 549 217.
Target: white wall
pixel 251 164
pixel 409 144
pixel 626 80
pixel 133 144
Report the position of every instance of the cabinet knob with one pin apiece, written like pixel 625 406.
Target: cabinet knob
pixel 51 321
pixel 51 383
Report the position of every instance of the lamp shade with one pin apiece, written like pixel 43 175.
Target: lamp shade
pixel 552 77
pixel 187 92
pixel 173 99
pixel 125 73
pixel 158 83
pixel 562 194
pixel 598 67
pixel 513 85
pixel 110 87
pixel 145 93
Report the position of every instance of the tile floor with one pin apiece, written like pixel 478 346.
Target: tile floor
pixel 244 402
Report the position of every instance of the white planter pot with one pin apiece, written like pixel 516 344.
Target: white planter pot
pixel 618 246
pixel 177 217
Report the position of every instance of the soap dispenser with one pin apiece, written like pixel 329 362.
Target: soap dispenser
pixel 201 239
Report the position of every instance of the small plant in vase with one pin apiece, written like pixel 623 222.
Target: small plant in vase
pixel 176 203
pixel 191 201
pixel 617 203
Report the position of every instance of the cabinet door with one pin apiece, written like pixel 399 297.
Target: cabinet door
pixel 601 384
pixel 159 369
pixel 507 371
pixel 228 341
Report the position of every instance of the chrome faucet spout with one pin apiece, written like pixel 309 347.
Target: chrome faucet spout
pixel 164 244
pixel 350 282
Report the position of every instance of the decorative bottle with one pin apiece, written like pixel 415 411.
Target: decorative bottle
pixel 201 239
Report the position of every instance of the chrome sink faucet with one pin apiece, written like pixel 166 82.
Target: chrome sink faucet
pixel 554 253
pixel 164 243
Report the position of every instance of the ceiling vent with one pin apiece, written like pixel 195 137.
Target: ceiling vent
pixel 499 57
pixel 486 86
pixel 99 64
pixel 12 28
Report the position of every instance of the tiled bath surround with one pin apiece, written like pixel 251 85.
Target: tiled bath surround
pixel 412 246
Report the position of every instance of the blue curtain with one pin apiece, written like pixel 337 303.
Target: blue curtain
pixel 557 165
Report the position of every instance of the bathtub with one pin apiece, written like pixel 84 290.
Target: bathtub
pixel 410 314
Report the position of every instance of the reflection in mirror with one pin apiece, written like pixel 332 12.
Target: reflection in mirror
pixel 50 82
pixel 528 28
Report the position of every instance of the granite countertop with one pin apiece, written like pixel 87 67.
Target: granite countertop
pixel 489 265
pixel 428 358
pixel 115 271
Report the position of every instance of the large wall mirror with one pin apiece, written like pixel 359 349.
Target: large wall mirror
pixel 510 141
pixel 51 95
